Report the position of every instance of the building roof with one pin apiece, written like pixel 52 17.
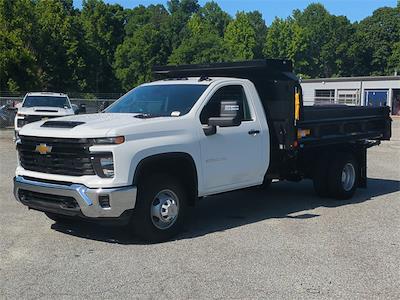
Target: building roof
pixel 347 79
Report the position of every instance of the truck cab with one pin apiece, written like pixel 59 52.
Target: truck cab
pixel 199 130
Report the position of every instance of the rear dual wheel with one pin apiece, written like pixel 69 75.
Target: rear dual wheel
pixel 338 177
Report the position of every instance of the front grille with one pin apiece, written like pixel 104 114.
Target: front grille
pixel 67 156
pixel 35 118
pixel 31 118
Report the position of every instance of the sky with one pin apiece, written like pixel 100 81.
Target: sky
pixel 355 10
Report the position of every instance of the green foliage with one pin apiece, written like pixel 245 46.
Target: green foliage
pixel 180 11
pixel 135 57
pixel 326 41
pixel 147 43
pixel 286 39
pixel 202 44
pixel 378 35
pixel 50 45
pixel 394 59
pixel 240 38
pixel 103 31
pixel 260 29
pixel 17 59
pixel 58 53
pixel 215 17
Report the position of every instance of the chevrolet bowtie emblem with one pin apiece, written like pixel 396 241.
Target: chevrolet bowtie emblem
pixel 43 149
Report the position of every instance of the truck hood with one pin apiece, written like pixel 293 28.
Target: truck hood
pixel 102 125
pixel 45 111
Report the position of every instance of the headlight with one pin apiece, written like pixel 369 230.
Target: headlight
pixel 21 123
pixel 109 141
pixel 103 164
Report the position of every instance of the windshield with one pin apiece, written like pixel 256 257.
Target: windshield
pixel 50 101
pixel 159 100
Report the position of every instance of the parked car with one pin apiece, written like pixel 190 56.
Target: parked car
pixel 42 106
pixel 204 130
pixel 5 114
pixel 79 109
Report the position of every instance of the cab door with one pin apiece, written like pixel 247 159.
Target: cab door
pixel 231 157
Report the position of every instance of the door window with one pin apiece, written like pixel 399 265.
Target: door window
pixel 226 93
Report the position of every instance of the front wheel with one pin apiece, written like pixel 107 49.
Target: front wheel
pixel 160 208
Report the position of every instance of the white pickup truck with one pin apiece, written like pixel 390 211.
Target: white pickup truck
pixel 203 130
pixel 37 106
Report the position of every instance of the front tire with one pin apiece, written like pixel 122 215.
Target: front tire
pixel 160 208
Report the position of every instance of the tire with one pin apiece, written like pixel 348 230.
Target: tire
pixel 320 176
pixel 160 208
pixel 57 218
pixel 343 176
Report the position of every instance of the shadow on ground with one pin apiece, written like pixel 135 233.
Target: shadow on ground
pixel 234 209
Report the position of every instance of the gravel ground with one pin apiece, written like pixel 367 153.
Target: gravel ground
pixel 281 243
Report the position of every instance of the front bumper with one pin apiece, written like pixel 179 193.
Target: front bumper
pixel 74 199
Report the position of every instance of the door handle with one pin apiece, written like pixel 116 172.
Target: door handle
pixel 254 132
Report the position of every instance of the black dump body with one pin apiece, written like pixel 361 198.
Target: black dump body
pixel 277 86
pixel 340 123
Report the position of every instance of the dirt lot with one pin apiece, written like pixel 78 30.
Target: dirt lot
pixel 281 243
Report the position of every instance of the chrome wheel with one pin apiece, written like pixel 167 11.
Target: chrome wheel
pixel 348 177
pixel 164 209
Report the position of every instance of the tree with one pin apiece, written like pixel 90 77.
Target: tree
pixel 18 69
pixel 394 59
pixel 286 40
pixel 241 38
pixel 147 43
pixel 138 53
pixel 141 15
pixel 215 17
pixel 260 29
pixel 62 66
pixel 180 12
pixel 377 34
pixel 202 44
pixel 103 26
pixel 50 45
pixel 326 37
